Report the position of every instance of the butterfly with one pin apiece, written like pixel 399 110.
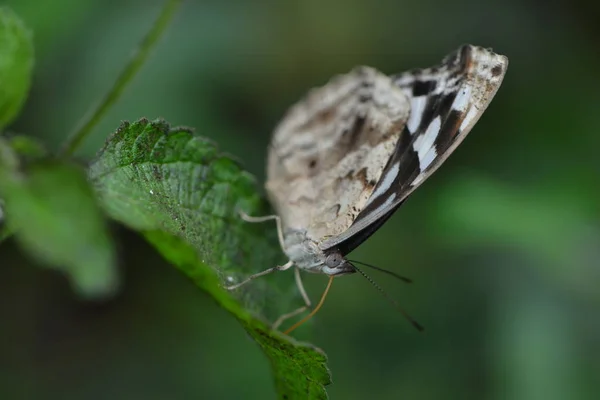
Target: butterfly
pixel 343 159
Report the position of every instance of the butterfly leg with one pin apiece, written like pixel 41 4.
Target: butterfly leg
pixel 248 218
pixel 299 310
pixel 283 267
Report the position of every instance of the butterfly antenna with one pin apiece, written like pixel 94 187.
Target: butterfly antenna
pixel 395 275
pixel 313 312
pixel 392 302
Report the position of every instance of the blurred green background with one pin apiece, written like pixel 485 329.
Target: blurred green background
pixel 503 243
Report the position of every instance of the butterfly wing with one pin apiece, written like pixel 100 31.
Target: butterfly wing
pixel 330 150
pixel 446 101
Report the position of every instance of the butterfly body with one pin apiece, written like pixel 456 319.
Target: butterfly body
pixel 306 255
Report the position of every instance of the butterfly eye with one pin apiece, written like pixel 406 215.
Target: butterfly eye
pixel 333 260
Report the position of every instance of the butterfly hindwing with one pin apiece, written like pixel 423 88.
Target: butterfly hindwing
pixel 331 149
pixel 445 101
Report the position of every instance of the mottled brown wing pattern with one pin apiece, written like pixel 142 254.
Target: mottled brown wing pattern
pixel 329 151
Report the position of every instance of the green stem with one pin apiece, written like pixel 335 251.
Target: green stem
pixel 141 54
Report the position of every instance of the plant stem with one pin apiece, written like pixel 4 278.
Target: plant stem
pixel 91 119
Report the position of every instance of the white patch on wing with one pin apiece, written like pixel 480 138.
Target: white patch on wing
pixel 428 159
pixel 417 107
pixel 470 117
pixel 462 99
pixel 387 182
pixel 425 142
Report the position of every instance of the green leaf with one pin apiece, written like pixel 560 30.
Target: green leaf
pixel 184 197
pixel 16 64
pixel 13 149
pixel 51 208
pixel 27 148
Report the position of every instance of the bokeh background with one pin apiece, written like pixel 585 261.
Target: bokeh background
pixel 503 242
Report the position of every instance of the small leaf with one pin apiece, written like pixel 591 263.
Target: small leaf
pixel 27 148
pixel 16 64
pixel 51 208
pixel 11 150
pixel 184 197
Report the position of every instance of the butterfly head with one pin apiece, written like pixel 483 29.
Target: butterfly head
pixel 336 265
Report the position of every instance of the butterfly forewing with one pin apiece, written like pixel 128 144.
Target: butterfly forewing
pixel 445 101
